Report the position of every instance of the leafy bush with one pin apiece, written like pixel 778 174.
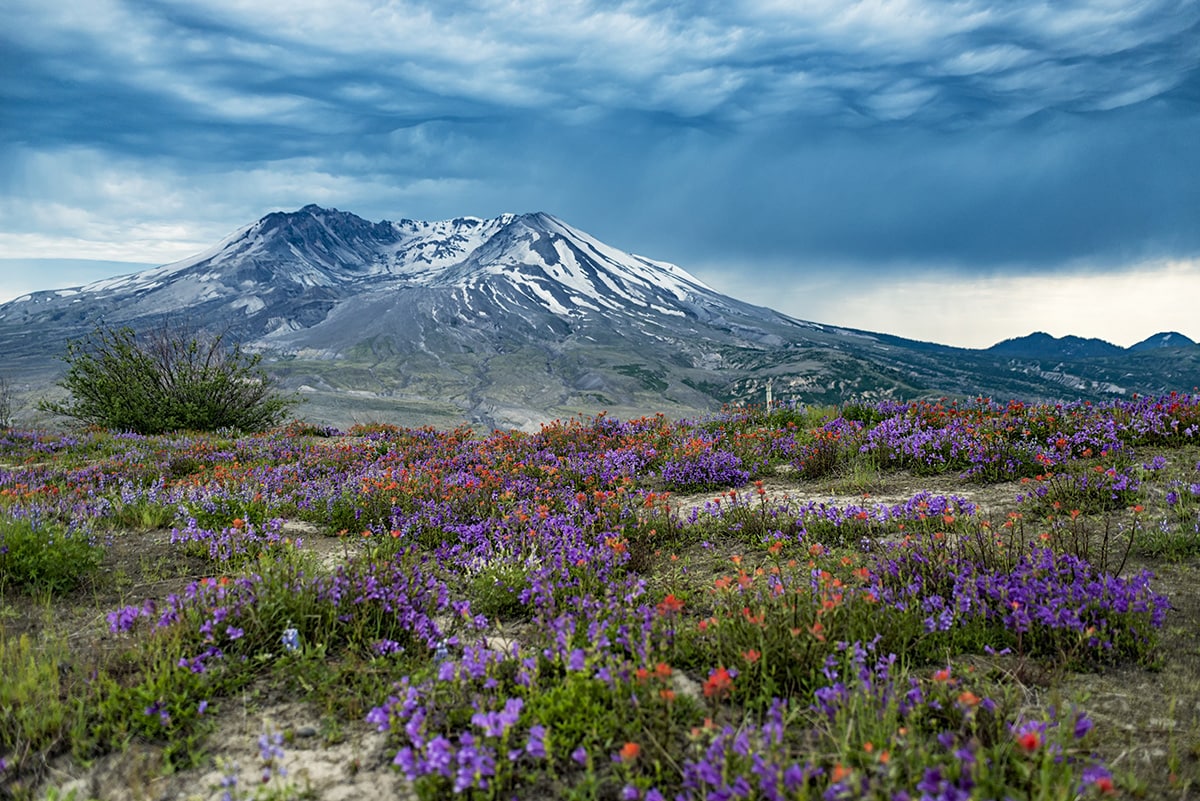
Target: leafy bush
pixel 166 380
pixel 45 557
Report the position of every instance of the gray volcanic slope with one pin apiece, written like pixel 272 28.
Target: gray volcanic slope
pixel 516 320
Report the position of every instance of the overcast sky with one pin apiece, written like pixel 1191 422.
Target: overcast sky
pixel 960 172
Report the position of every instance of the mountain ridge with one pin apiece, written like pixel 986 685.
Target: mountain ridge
pixel 1042 345
pixel 521 318
pixel 1163 339
pixel 1039 344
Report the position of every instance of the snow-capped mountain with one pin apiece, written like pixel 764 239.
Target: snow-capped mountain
pixel 288 270
pixel 508 321
pixel 315 247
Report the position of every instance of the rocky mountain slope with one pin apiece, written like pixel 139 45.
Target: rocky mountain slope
pixel 519 319
pixel 1165 339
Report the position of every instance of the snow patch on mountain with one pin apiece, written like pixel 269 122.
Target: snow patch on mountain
pixel 561 269
pixel 423 249
pixel 250 304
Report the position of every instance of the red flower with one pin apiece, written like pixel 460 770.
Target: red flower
pixel 1029 741
pixel 719 682
pixel 669 605
pixel 629 752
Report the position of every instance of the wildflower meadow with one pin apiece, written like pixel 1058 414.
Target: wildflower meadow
pixel 923 600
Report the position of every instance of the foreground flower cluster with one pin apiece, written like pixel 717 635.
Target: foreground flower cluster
pixel 539 614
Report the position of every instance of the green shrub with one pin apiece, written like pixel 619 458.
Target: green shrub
pixel 495 591
pixel 140 515
pixel 45 557
pixel 160 702
pixel 33 715
pixel 166 380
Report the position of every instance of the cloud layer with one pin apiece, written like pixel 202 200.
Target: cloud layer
pixel 776 138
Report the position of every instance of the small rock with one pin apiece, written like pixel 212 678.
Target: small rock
pixel 504 645
pixel 299 528
pixel 685 685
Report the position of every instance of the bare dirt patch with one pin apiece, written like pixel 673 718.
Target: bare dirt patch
pixel 355 766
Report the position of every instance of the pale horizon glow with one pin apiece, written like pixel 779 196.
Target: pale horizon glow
pixel 149 251
pixel 1120 307
pixel 21 276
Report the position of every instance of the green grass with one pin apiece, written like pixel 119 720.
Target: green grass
pixel 45 557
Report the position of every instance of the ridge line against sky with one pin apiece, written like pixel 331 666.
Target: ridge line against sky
pixel 960 173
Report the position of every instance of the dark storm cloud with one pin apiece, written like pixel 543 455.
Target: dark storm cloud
pixel 976 134
pixel 1053 191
